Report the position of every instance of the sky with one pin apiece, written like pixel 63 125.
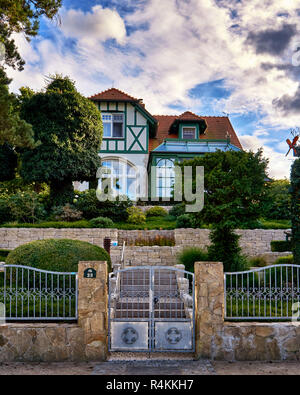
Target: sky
pixel 213 57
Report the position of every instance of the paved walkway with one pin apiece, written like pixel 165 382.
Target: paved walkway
pixel 152 367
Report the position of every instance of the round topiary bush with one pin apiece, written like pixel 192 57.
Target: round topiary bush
pixel 156 212
pixel 58 255
pixel 102 222
pixel 136 216
pixel 184 221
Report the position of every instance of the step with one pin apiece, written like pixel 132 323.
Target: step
pixel 146 314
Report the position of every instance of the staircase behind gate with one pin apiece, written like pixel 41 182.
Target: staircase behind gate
pixel 151 309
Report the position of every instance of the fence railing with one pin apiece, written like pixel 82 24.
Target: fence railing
pixel 30 294
pixel 268 293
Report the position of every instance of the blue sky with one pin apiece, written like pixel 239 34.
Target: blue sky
pixel 212 57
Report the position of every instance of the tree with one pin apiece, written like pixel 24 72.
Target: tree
pixel 69 128
pixel 234 188
pixel 295 210
pixel 277 201
pixel 8 162
pixel 13 130
pixel 22 16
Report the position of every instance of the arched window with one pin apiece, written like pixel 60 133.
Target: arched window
pixel 165 177
pixel 119 177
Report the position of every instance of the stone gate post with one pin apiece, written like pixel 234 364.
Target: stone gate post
pixel 92 308
pixel 209 305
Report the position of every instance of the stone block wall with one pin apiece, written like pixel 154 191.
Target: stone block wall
pixel 241 341
pixel 11 238
pixel 146 256
pixel 252 241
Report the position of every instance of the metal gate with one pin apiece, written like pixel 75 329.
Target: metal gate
pixel 151 308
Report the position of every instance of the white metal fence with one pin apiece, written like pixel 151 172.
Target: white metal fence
pixel 31 294
pixel 268 293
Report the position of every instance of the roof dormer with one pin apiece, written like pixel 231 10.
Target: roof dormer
pixel 188 126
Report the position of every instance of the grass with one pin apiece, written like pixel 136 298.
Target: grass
pixel 275 224
pixel 247 308
pixel 36 307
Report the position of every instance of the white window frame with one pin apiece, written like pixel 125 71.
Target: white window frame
pixel 111 122
pixel 189 127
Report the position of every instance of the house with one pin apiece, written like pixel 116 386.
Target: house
pixel 137 144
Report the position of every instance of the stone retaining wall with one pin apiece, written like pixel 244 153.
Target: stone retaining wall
pixel 253 242
pixel 11 238
pixel 146 256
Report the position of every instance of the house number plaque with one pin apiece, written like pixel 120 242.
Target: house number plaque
pixel 89 273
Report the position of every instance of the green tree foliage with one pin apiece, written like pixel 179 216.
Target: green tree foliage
pixel 13 130
pixel 8 162
pixel 277 202
pixel 295 210
pixel 69 129
pixel 234 188
pixel 22 16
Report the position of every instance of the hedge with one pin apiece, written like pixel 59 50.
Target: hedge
pixel 281 246
pixel 59 255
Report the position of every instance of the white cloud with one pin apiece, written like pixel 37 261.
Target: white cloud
pixel 185 43
pixel 279 165
pixel 98 25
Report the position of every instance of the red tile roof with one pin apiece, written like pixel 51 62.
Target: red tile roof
pixel 113 94
pixel 217 129
pixel 189 116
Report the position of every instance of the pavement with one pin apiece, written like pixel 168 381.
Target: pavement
pixel 152 367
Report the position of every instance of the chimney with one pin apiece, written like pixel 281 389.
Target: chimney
pixel 141 103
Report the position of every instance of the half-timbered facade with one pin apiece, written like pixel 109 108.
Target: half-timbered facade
pixel 137 144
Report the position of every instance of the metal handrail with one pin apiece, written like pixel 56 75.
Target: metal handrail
pixel 123 255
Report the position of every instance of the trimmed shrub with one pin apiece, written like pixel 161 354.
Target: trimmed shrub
pixel 59 255
pixel 190 255
pixel 281 246
pixel 136 216
pixel 184 221
pixel 156 212
pixel 49 224
pixel 101 222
